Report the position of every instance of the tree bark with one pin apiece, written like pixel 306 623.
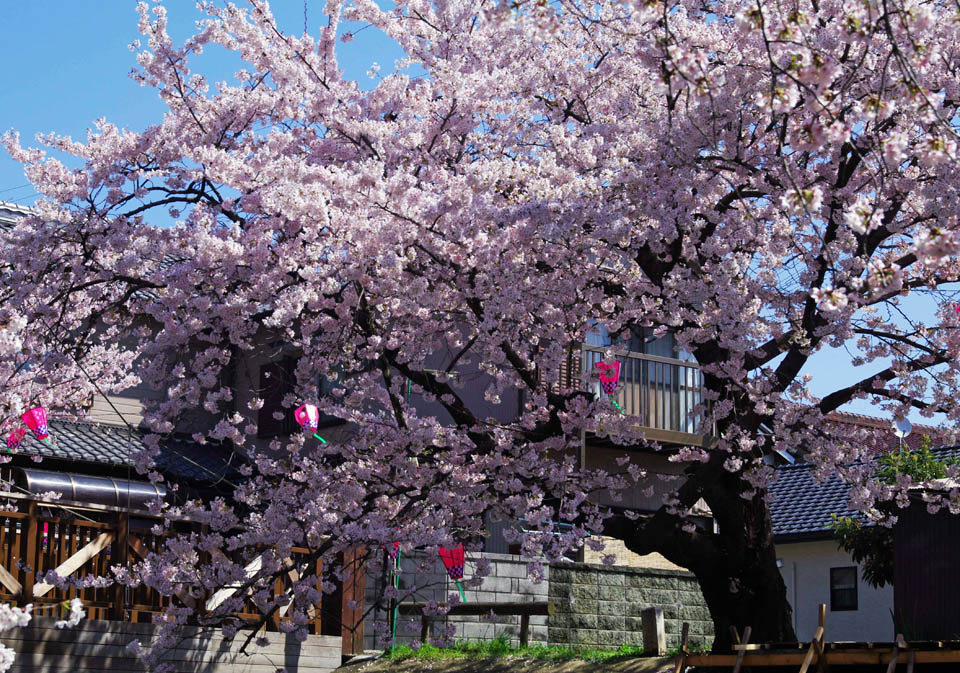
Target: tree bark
pixel 736 567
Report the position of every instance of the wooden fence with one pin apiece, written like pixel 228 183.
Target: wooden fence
pixel 85 540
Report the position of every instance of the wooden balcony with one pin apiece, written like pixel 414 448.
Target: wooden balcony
pixel 664 394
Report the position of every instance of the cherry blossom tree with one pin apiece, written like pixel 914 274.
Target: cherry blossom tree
pixel 761 179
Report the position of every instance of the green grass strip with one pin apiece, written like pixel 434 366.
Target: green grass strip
pixel 500 647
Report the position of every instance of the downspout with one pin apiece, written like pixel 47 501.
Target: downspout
pixel 796 608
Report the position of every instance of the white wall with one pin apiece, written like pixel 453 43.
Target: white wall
pixel 806 572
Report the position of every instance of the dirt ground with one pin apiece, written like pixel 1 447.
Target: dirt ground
pixel 512 665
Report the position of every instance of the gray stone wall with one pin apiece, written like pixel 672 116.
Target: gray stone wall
pixel 507 581
pixel 596 605
pixel 600 606
pixel 95 645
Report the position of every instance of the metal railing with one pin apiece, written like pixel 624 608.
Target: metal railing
pixel 663 393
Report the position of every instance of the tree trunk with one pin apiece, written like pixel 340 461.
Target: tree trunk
pixel 736 566
pixel 753 595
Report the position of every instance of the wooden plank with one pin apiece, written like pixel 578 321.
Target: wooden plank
pixel 250 570
pixel 352 611
pixel 120 555
pixel 9 581
pixel 524 630
pixel 318 610
pixel 867 657
pixel 811 650
pixel 28 552
pixel 484 608
pixel 75 562
pixel 818 642
pixel 683 654
pixel 743 650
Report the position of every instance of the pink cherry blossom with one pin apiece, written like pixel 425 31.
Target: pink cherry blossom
pixel 431 251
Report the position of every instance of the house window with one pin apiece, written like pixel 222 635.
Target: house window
pixel 638 340
pixel 843 588
pixel 277 380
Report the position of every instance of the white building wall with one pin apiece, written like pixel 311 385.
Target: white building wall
pixel 806 572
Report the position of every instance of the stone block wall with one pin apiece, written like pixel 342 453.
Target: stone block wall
pixel 597 606
pixel 600 606
pixel 96 645
pixel 507 581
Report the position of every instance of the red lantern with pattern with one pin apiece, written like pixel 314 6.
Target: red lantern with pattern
pixel 609 376
pixel 453 561
pixel 36 420
pixel 15 439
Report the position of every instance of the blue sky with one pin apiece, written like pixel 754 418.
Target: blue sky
pixel 67 63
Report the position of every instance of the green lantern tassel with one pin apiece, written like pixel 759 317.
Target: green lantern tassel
pixel 396 605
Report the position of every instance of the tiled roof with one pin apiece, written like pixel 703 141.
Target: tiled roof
pixel 802 506
pixel 92 443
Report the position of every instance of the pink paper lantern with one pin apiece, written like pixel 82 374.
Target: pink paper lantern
pixel 36 420
pixel 453 561
pixel 609 376
pixel 15 439
pixel 308 416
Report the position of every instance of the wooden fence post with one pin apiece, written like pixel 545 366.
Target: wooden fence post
pixel 28 553
pixel 353 592
pixel 318 609
pixel 120 556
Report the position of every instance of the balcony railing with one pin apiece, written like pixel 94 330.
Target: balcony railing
pixel 662 393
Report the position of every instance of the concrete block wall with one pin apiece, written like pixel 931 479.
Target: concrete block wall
pixel 97 645
pixel 600 606
pixel 597 606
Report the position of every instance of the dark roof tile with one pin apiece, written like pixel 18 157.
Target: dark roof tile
pixel 86 442
pixel 802 506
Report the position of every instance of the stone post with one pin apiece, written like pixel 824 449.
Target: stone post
pixel 654 635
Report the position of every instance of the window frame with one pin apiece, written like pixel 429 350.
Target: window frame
pixel 272 389
pixel 838 604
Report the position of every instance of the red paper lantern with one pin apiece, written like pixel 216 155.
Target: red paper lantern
pixel 36 420
pixel 453 561
pixel 308 416
pixel 609 376
pixel 15 439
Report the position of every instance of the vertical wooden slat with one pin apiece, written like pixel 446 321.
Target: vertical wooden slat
pixel 66 549
pixel 353 590
pixel 675 372
pixel 318 610
pixel 278 589
pixel 28 554
pixel 119 555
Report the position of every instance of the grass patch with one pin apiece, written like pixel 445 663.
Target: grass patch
pixel 501 647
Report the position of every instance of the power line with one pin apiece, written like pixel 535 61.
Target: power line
pixel 10 189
